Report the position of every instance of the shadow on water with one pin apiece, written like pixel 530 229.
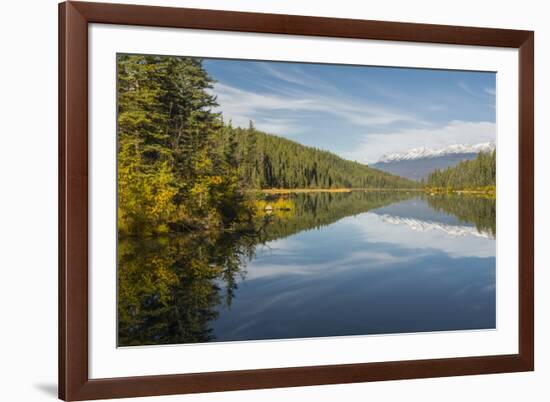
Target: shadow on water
pixel 171 289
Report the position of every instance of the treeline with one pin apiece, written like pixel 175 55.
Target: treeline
pixel 269 161
pixel 479 173
pixel 181 168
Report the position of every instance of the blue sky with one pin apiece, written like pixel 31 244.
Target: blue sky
pixel 357 112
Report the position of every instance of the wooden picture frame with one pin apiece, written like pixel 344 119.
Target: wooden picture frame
pixel 74 381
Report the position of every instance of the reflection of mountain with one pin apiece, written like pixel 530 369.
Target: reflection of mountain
pixel 480 211
pixel 171 289
pixel 424 226
pixel 418 163
pixel 314 210
pixel 447 210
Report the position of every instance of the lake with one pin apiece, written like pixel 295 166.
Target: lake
pixel 317 264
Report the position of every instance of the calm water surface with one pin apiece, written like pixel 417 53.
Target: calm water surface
pixel 331 264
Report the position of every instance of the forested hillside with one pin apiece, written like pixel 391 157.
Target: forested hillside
pixel 269 161
pixel 180 167
pixel 479 173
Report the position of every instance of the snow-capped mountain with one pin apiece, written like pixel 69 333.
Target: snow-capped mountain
pixel 424 152
pixel 418 163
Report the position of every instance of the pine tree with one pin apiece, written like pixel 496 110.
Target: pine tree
pixel 470 174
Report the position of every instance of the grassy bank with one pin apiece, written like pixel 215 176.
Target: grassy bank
pixel 487 191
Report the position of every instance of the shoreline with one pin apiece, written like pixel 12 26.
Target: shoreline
pixel 490 192
pixel 325 190
pixel 282 191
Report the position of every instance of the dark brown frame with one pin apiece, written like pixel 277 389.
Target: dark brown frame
pixel 74 383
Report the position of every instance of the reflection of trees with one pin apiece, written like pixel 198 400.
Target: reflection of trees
pixel 172 288
pixel 481 211
pixel 314 210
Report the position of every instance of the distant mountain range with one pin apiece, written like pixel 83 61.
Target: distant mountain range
pixel 418 163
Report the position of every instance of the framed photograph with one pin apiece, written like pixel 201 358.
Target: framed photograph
pixel 259 200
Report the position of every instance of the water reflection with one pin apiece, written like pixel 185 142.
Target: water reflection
pixel 333 264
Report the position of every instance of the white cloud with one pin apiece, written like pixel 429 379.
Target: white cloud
pixel 374 145
pixel 275 126
pixel 485 93
pixel 490 91
pixel 240 106
pixel 469 91
pixel 295 77
pixel 436 108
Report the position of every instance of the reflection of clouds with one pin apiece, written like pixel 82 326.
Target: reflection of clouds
pixel 288 246
pixel 399 275
pixel 489 288
pixel 424 226
pixel 273 295
pixel 299 283
pixel 373 242
pixel 363 260
pixel 396 278
pixel 375 229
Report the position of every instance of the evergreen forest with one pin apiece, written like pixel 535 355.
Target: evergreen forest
pixel 476 174
pixel 182 168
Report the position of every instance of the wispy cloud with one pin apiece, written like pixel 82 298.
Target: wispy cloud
pixel 359 113
pixel 468 90
pixel 278 125
pixel 374 145
pixel 436 108
pixel 240 106
pixel 490 91
pixel 295 77
pixel 482 93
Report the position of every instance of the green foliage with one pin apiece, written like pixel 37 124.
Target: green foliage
pixel 145 198
pixel 181 169
pixel 269 161
pixel 317 209
pixel 170 288
pixel 176 164
pixel 473 174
